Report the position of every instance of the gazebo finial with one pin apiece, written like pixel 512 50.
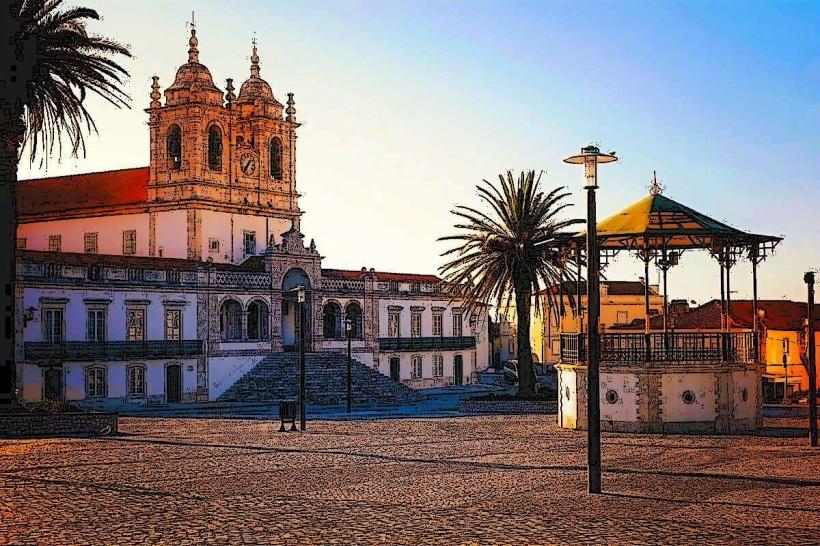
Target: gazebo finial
pixel 655 188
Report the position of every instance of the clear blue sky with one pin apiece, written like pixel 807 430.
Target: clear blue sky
pixel 408 105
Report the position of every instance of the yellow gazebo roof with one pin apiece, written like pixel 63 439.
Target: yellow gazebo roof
pixel 657 221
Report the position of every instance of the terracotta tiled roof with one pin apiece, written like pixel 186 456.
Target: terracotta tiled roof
pixel 80 191
pixel 380 275
pixel 614 288
pixel 778 315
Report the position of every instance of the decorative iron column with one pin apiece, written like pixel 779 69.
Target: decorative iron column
pixel 590 157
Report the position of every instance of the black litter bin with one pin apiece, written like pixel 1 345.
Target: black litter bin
pixel 287 414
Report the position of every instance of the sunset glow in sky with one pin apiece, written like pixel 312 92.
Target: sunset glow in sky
pixel 406 106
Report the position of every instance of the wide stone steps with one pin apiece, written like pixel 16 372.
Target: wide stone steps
pixel 277 378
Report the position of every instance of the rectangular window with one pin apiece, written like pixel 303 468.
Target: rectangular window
pixel 95 325
pixel 622 317
pixel 135 324
pixel 393 324
pixel 437 321
pixel 53 325
pixel 129 241
pixel 173 330
pixel 457 325
pixel 249 238
pixel 213 246
pixel 55 243
pixel 90 243
pixel 95 383
pixel 415 325
pixel 21 243
pixel 417 367
pixel 438 366
pixel 136 381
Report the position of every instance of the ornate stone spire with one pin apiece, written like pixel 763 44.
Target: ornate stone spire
pixel 193 51
pixel 254 60
pixel 291 111
pixel 229 96
pixel 155 95
pixel 655 188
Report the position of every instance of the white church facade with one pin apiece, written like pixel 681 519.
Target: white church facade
pixel 170 283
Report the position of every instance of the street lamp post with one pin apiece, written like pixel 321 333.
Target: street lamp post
pixel 349 333
pixel 300 299
pixel 590 157
pixel 812 360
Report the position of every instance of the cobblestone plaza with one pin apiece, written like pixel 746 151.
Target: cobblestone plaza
pixel 476 480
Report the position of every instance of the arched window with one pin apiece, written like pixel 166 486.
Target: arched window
pixel 332 328
pixel 353 311
pixel 275 156
pixel 230 321
pixel 258 320
pixel 215 148
pixel 174 147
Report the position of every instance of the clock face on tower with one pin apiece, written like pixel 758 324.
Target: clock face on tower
pixel 247 163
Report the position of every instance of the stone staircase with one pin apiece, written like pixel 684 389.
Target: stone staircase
pixel 277 377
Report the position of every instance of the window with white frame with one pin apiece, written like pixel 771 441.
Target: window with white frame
pixel 393 324
pixel 136 380
pixel 173 324
pixel 95 325
pixel 90 240
pixel 135 324
pixel 457 330
pixel 437 322
pixel 249 240
pixel 415 325
pixel 55 243
pixel 213 246
pixel 129 241
pixel 95 384
pixel 438 366
pixel 53 325
pixel 416 372
pixel 622 317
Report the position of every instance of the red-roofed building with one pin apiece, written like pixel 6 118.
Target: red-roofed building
pixel 173 282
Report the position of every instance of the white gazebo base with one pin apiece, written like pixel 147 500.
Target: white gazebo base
pixel 679 398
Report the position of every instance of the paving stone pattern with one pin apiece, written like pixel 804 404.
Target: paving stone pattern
pixel 472 480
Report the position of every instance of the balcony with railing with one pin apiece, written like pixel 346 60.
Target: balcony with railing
pixel 111 350
pixel 433 343
pixel 660 348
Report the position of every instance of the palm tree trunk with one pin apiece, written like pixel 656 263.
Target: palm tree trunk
pixel 11 138
pixel 526 377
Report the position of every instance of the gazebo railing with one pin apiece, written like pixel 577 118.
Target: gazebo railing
pixel 663 347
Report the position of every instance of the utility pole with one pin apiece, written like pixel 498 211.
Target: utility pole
pixel 812 360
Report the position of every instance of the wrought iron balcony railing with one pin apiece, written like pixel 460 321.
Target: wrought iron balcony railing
pixel 660 347
pixel 112 350
pixel 426 343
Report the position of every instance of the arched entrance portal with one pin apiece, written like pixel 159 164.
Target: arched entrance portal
pixel 290 309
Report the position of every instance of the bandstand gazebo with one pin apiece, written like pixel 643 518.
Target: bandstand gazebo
pixel 665 381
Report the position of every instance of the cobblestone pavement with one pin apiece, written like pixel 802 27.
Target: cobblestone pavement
pixel 476 480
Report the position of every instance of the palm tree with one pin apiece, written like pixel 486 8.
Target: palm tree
pixel 57 64
pixel 511 252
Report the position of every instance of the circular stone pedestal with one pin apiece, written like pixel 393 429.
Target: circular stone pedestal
pixel 723 398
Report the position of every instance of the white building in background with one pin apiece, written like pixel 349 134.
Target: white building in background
pixel 170 282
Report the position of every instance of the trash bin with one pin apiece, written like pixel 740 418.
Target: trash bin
pixel 287 414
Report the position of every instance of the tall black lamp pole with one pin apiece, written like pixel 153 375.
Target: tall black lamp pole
pixel 300 299
pixel 349 333
pixel 812 360
pixel 590 157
